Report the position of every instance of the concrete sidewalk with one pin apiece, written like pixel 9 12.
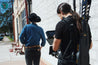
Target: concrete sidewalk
pixel 21 62
pixel 10 58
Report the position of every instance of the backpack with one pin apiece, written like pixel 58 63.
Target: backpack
pixel 73 33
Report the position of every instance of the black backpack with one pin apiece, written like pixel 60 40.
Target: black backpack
pixel 74 39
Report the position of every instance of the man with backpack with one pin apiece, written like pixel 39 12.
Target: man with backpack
pixel 67 35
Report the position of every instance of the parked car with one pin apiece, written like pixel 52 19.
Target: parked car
pixel 1 38
pixel 2 34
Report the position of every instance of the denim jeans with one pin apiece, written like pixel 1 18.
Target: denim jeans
pixel 32 56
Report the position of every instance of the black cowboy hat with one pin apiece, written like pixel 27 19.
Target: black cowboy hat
pixel 34 18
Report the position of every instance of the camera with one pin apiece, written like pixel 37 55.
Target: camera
pixel 54 53
pixel 50 38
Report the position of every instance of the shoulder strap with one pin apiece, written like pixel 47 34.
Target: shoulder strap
pixel 71 28
pixel 71 38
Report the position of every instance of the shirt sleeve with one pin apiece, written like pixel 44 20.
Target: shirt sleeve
pixel 43 38
pixel 59 30
pixel 22 35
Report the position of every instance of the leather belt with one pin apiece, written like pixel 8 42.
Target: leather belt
pixel 32 46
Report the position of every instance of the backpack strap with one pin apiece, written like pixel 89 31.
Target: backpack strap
pixel 71 28
pixel 71 39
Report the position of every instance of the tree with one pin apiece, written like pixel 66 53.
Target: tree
pixel 6 21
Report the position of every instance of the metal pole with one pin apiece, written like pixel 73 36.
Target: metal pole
pixel 26 11
pixel 74 5
pixel 29 6
pixel 29 3
pixel 80 11
pixel 13 21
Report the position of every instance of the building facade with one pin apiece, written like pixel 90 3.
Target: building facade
pixel 20 16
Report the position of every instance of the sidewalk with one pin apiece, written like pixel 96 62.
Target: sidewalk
pixel 10 58
pixel 19 62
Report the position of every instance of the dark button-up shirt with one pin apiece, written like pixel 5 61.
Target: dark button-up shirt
pixel 31 35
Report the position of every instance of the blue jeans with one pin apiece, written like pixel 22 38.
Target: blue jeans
pixel 32 56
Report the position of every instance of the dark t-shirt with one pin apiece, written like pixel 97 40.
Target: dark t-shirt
pixel 63 32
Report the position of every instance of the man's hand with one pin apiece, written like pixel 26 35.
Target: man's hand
pixel 40 47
